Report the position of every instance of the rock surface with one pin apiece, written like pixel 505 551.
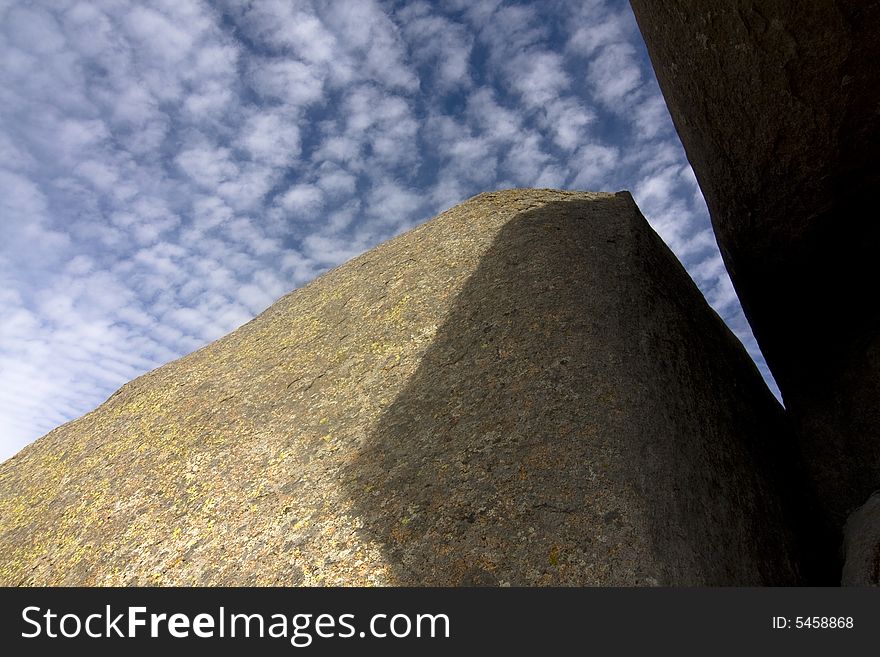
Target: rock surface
pixel 862 545
pixel 528 389
pixel 776 103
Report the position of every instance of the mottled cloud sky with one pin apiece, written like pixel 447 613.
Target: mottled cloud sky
pixel 169 168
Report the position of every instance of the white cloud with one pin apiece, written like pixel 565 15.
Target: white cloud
pixel 441 45
pixel 208 165
pixel 594 164
pixel 302 199
pixel 539 77
pixel 212 97
pixel 76 136
pixel 285 26
pixel 651 117
pixel 372 40
pixel 393 203
pixel 526 157
pixel 249 185
pixel 245 232
pixel 158 36
pixel 289 81
pixel 495 121
pixel 33 29
pixel 99 174
pixel 566 120
pixel 614 74
pixel 335 181
pixel 591 35
pixel 254 298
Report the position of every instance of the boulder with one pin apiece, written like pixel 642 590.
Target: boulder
pixel 776 103
pixel 862 545
pixel 526 390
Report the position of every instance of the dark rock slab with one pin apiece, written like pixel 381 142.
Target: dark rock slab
pixel 777 104
pixel 862 545
pixel 528 389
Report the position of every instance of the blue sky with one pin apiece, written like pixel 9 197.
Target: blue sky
pixel 169 168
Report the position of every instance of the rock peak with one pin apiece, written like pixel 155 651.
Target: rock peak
pixel 527 389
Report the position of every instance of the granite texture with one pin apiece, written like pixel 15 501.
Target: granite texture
pixel 777 104
pixel 526 390
pixel 862 545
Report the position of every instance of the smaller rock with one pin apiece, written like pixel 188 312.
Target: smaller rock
pixel 862 545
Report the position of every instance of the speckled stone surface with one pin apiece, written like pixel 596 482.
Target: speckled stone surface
pixel 526 390
pixel 777 103
pixel 861 545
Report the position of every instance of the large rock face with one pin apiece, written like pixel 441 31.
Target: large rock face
pixel 862 545
pixel 776 103
pixel 528 389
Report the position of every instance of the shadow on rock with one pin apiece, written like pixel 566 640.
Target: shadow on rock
pixel 581 418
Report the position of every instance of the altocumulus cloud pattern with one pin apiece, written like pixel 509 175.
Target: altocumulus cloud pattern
pixel 169 168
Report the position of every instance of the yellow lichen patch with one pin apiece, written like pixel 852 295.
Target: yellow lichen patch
pixel 395 315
